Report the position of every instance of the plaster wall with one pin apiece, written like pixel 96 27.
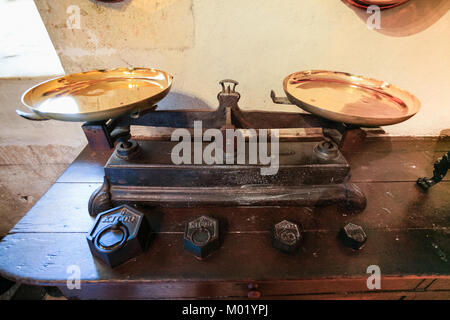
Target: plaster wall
pixel 260 42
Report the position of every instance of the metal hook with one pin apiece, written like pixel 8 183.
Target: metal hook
pixel 279 100
pixel 234 82
pixel 30 116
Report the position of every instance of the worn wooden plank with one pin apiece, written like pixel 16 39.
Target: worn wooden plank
pixel 35 155
pixel 63 208
pixel 43 258
pixel 375 295
pixel 87 167
pixel 391 286
pixel 216 290
pixel 396 158
pixel 390 206
pixel 408 237
pixel 20 187
pixel 380 143
pixel 439 284
pixel 392 166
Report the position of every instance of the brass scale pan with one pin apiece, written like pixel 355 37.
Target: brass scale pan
pixel 104 94
pixel 343 97
pixel 96 95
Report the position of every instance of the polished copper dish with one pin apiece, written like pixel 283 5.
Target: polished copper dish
pixel 383 4
pixel 342 97
pixel 96 95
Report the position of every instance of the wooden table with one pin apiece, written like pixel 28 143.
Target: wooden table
pixel 408 238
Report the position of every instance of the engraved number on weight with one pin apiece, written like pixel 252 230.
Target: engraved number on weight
pixel 126 219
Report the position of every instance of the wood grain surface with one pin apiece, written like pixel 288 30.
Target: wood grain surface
pixel 408 237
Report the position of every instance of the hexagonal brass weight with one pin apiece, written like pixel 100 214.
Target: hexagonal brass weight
pixel 286 236
pixel 201 236
pixel 353 236
pixel 118 235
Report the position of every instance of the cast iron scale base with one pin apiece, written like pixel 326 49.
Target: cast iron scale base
pixel 312 170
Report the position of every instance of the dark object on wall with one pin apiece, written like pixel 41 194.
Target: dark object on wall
pixel 286 236
pixel 201 236
pixel 441 167
pixel 353 236
pixel 119 235
pixel 383 4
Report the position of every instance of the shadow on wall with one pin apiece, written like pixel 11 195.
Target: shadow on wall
pixel 122 5
pixel 407 19
pixel 445 134
pixel 177 100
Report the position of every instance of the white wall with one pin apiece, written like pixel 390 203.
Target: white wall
pixel 26 49
pixel 259 42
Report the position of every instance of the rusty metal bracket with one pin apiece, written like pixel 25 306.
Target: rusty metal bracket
pixel 441 167
pixel 279 100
